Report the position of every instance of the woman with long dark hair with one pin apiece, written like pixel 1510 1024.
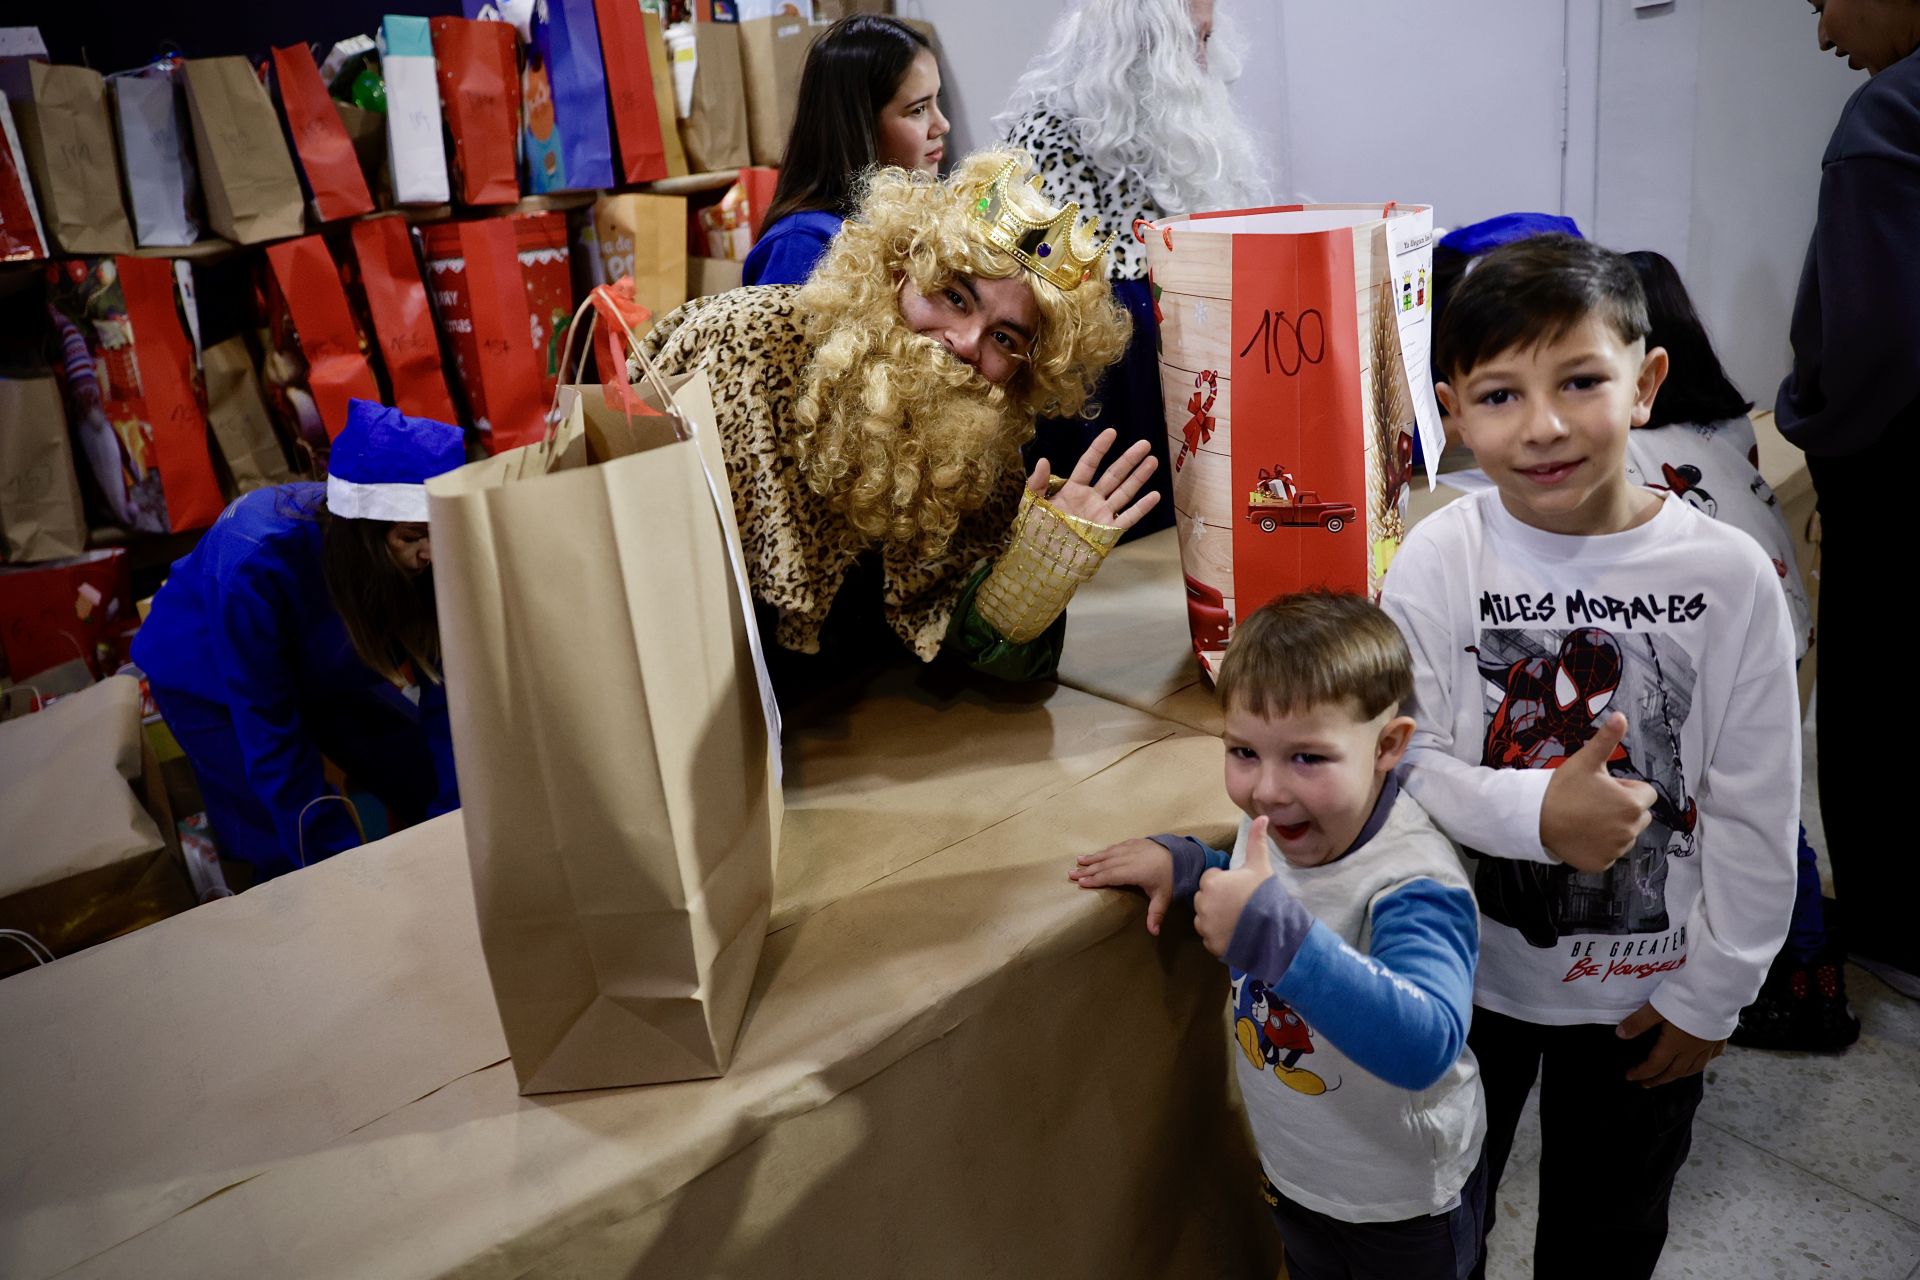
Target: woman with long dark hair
pixel 291 632
pixel 870 95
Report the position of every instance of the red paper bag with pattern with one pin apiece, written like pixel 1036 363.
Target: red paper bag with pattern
pixel 1293 364
pixel 402 322
pixel 636 112
pixel 503 294
pixel 326 153
pixel 337 366
pixel 477 64
pixel 130 377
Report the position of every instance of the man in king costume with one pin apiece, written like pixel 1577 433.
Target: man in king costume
pixel 872 421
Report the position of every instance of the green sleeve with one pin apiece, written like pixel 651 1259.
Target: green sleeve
pixel 973 639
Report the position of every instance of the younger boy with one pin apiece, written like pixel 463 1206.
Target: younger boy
pixel 1600 671
pixel 1350 938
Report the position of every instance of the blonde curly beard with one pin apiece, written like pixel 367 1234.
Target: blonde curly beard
pixel 895 432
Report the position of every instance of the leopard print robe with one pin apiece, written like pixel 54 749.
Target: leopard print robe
pixel 798 549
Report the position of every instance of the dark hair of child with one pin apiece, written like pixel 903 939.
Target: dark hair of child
pixel 1697 389
pixel 390 614
pixel 1536 291
pixel 1313 649
pixel 852 73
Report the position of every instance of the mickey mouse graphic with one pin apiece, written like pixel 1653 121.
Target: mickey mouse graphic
pixel 1271 1034
pixel 1684 480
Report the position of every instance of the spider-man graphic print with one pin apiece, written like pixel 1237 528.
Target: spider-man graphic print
pixel 1546 694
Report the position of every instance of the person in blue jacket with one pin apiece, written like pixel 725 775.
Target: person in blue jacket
pixel 289 634
pixel 870 94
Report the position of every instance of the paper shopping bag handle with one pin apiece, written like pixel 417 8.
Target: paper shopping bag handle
pixel 583 334
pixel 301 822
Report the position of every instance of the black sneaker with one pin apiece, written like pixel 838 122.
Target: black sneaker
pixel 1801 1006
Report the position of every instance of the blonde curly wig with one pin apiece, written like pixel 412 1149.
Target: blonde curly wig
pixel 900 434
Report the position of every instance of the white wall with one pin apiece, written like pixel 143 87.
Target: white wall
pixel 1694 127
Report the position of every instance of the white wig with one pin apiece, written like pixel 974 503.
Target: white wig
pixel 1126 77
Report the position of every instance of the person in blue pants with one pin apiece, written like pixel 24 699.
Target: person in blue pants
pixel 302 626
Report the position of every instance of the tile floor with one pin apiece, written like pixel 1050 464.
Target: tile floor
pixel 1803 1165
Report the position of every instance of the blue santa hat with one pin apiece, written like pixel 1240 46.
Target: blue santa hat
pixel 382 460
pixel 1477 238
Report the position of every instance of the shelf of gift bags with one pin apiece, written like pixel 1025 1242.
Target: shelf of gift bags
pixel 212 247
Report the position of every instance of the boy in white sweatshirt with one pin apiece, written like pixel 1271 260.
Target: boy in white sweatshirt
pixel 1604 688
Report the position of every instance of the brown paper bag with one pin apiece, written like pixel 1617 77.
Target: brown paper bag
pixel 367 130
pixel 621 800
pixel 644 237
pixel 834 10
pixel 773 53
pixel 661 70
pixel 715 131
pixel 40 511
pixel 61 113
pixel 246 171
pixel 237 412
pixel 85 861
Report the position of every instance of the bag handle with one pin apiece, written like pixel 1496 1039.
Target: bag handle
pixel 35 948
pixel 722 506
pixel 301 821
pixel 592 309
pixel 6 698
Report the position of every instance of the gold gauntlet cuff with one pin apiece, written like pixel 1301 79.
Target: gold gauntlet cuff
pixel 1050 555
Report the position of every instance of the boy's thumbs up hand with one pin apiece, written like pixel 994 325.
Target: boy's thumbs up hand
pixel 1589 817
pixel 1223 895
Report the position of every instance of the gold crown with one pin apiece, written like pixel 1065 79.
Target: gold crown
pixel 1051 250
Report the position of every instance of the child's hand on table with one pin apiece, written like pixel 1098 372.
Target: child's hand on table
pixel 1141 864
pixel 1589 817
pixel 1223 894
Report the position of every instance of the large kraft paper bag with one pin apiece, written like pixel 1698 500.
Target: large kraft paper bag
pixel 237 412
pixel 616 763
pixel 1293 363
pixel 246 172
pixel 773 53
pixel 644 237
pixel 41 517
pixel 84 859
pixel 63 122
pixel 715 129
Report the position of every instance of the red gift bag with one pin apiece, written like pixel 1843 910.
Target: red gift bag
pixel 636 113
pixel 130 384
pixel 505 296
pixel 326 152
pixel 59 610
pixel 402 322
pixel 21 235
pixel 337 367
pixel 478 68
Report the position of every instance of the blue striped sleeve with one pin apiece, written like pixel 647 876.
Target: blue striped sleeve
pixel 1402 1011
